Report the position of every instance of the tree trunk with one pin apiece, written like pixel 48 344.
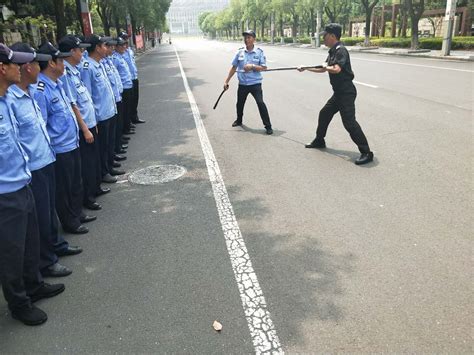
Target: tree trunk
pixel 79 16
pixel 117 23
pixel 60 19
pixel 281 25
pixel 367 28
pixel 313 26
pixel 415 43
pixel 262 23
pixel 295 27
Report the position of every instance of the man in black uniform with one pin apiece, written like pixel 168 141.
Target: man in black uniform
pixel 338 65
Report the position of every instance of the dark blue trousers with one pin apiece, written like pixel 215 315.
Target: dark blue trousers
pixel 19 248
pixel 43 185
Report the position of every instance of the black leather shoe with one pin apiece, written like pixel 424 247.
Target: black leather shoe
pixel 318 144
pixel 47 291
pixel 124 146
pixel 109 179
pixel 122 151
pixel 139 121
pixel 115 172
pixel 30 315
pixel 269 131
pixel 236 123
pixel 116 165
pixel 119 157
pixel 103 190
pixel 365 158
pixel 132 125
pixel 56 270
pixel 125 139
pixel 86 219
pixel 93 206
pixel 70 250
pixel 79 230
pixel 129 132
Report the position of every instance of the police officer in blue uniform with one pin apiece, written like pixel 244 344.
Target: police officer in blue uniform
pixel 338 65
pixel 249 62
pixel 35 141
pixel 63 130
pixel 95 78
pixel 129 57
pixel 117 88
pixel 127 83
pixel 20 277
pixel 85 115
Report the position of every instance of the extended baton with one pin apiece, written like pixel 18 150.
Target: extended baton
pixel 222 93
pixel 285 68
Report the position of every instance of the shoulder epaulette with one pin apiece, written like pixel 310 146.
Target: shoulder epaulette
pixel 41 86
pixel 339 46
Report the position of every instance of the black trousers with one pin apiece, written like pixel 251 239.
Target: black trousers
pixel 104 143
pixel 136 96
pixel 111 143
pixel 43 185
pixel 128 110
pixel 257 93
pixel 90 166
pixel 119 126
pixel 345 105
pixel 69 195
pixel 19 248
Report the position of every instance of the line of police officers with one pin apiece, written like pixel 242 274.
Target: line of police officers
pixel 65 118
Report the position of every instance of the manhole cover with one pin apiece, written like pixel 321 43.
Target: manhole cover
pixel 157 174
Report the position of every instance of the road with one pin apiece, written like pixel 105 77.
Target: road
pixel 348 259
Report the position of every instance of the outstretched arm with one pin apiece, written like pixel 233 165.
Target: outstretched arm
pixel 229 76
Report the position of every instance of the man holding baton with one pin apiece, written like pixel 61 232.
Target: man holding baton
pixel 249 62
pixel 338 65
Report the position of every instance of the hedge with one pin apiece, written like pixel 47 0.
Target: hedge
pixel 466 43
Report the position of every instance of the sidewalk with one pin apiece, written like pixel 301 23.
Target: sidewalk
pixel 405 52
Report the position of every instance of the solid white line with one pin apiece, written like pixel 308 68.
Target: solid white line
pixel 364 84
pixel 262 330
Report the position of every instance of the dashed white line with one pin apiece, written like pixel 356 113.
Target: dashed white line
pixel 262 330
pixel 364 84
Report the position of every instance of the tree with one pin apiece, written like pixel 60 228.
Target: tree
pixel 415 10
pixel 368 7
pixel 60 19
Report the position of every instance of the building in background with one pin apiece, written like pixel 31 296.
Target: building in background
pixel 183 14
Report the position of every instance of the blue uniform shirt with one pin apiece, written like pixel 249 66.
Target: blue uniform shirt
pixel 32 131
pixel 14 172
pixel 56 109
pixel 116 73
pixel 115 81
pixel 129 57
pixel 78 93
pixel 123 69
pixel 242 57
pixel 94 77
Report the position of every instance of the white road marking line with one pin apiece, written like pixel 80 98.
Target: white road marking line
pixel 262 330
pixel 364 84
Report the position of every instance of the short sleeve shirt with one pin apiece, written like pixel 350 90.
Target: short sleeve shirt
pixel 32 131
pixel 243 57
pixel 341 82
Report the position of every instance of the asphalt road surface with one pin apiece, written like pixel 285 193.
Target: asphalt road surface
pixel 337 258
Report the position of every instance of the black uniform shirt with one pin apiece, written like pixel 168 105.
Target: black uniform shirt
pixel 342 82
